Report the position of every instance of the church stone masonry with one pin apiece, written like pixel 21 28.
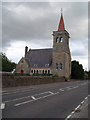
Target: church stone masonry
pixel 56 60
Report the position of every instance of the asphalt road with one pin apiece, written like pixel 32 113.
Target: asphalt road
pixel 56 100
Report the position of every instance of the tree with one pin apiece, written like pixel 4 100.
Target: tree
pixel 7 65
pixel 77 71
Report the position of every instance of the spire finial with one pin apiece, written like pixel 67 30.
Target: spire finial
pixel 61 10
pixel 61 23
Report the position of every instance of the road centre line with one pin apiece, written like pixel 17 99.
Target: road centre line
pixel 7 93
pixel 16 99
pixel 68 88
pixel 42 93
pixel 18 104
pixel 51 92
pixel 28 96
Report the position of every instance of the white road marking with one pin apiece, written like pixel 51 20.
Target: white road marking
pixel 23 102
pixel 33 97
pixel 77 107
pixel 16 91
pixel 61 89
pixel 69 88
pixel 18 104
pixel 42 93
pixel 72 112
pixel 86 98
pixel 51 92
pixel 82 102
pixel 25 97
pixel 68 117
pixel 2 106
pixel 16 99
pixel 75 86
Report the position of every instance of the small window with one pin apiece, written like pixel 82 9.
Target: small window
pixel 35 65
pixel 43 72
pixel 57 40
pixel 61 39
pixel 34 71
pixel 46 65
pixel 60 66
pixel 37 71
pixel 56 66
pixel 22 61
pixel 48 71
pixel 31 71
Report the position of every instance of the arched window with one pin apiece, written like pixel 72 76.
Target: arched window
pixel 60 66
pixel 31 71
pixel 56 66
pixel 61 39
pixel 48 71
pixel 43 72
pixel 57 40
pixel 34 71
pixel 37 71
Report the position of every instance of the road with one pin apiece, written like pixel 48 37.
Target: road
pixel 56 100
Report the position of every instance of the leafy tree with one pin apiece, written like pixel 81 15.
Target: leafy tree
pixel 77 71
pixel 7 65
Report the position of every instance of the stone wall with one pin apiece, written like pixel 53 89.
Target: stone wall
pixel 11 80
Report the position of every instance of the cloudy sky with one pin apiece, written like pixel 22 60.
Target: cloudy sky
pixel 32 24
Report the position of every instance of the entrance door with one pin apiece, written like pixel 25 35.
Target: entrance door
pixel 22 71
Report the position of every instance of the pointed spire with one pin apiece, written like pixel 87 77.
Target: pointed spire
pixel 61 23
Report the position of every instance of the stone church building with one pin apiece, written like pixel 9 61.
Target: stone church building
pixel 56 60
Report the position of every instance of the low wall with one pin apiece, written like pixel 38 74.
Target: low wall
pixel 10 80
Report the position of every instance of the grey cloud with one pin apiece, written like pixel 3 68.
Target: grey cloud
pixel 39 21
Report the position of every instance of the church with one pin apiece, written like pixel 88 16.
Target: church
pixel 54 61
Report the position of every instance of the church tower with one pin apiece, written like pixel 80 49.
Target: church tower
pixel 61 60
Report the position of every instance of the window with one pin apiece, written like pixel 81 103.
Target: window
pixel 22 61
pixel 60 66
pixel 34 71
pixel 48 71
pixel 37 71
pixel 35 65
pixel 57 39
pixel 31 71
pixel 45 71
pixel 46 65
pixel 61 39
pixel 56 66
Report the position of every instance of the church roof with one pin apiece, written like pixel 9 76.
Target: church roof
pixel 61 24
pixel 39 58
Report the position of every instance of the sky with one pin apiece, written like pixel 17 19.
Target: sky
pixel 32 24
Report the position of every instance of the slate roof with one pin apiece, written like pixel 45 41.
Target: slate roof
pixel 39 58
